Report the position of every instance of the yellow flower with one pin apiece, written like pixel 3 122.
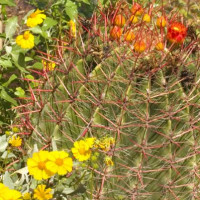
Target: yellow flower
pixel 129 36
pixel 15 141
pixel 7 132
pixel 160 46
pixel 81 150
pixel 106 143
pixel 37 165
pixel 27 196
pixel 133 19
pixel 90 141
pixel 3 190
pixel 161 22
pixel 15 129
pixel 12 195
pixel 59 162
pixel 108 161
pixel 41 193
pixel 72 25
pixel 35 18
pixel 25 41
pixel 146 18
pixel 48 66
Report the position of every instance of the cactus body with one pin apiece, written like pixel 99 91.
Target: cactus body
pixel 150 110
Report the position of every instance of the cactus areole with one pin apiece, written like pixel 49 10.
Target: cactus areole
pixel 176 32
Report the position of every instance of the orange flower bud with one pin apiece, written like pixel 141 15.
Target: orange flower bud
pixel 137 9
pixel 161 21
pixel 116 32
pixel 133 19
pixel 139 46
pixel 119 20
pixel 176 32
pixel 146 18
pixel 129 36
pixel 160 46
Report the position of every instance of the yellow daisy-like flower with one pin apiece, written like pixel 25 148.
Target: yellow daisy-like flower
pixel 27 196
pixel 108 161
pixel 35 18
pixel 15 141
pixel 13 195
pixel 72 25
pixel 37 165
pixel 106 143
pixel 90 141
pixel 25 41
pixel 3 190
pixel 48 66
pixel 59 162
pixel 41 193
pixel 81 150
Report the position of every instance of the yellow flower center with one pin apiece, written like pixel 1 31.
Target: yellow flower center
pixel 41 165
pixel 33 15
pixel 26 35
pixel 176 28
pixel 82 150
pixel 59 161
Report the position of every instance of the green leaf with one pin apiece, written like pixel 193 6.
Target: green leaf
pixel 12 78
pixel 8 49
pixel 38 65
pixel 5 63
pixel 21 60
pixel 11 26
pixel 7 2
pixel 7 181
pixel 68 190
pixel 4 95
pixel 48 23
pixel 27 59
pixel 36 30
pixel 3 143
pixel 32 84
pixel 20 92
pixel 71 9
pixel 7 155
pixel 86 1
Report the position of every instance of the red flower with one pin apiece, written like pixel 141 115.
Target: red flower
pixel 176 32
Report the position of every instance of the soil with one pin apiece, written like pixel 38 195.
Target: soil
pixel 22 7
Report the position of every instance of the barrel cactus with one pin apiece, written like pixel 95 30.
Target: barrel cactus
pixel 138 84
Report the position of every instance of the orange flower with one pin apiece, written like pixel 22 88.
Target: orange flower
pixel 116 32
pixel 119 20
pixel 137 9
pixel 140 46
pixel 161 21
pixel 176 32
pixel 129 36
